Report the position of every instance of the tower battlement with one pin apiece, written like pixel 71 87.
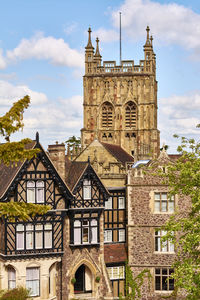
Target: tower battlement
pixel 120 101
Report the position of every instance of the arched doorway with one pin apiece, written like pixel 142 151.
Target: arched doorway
pixel 83 282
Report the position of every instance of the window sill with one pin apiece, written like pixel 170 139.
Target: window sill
pixel 85 245
pixel 162 252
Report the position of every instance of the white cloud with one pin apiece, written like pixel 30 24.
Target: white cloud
pixel 55 50
pixel 170 23
pixel 69 29
pixel 105 35
pixel 10 93
pixel 2 60
pixel 180 115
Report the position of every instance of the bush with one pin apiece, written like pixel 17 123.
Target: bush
pixel 19 293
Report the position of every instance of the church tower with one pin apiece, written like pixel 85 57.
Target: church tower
pixel 120 102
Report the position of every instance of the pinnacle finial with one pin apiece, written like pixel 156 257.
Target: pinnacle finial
pixel 147 41
pixel 89 44
pixel 151 39
pixel 97 47
pixel 37 137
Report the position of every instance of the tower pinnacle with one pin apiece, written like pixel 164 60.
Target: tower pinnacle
pixel 97 48
pixel 147 41
pixel 89 44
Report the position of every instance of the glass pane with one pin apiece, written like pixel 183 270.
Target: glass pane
pixel 85 235
pixel 29 240
pixel 40 183
pixel 30 195
pixel 171 206
pixel 32 273
pixel 39 240
pixel 20 227
pixel 11 274
pixel 121 235
pixel 93 222
pixel 40 195
pixel 171 284
pixel 39 227
pixel 33 285
pixel 77 236
pixel 164 196
pixel 164 246
pixel 108 203
pixel 77 223
pixel 121 202
pixel 48 226
pixel 94 235
pixel 115 273
pixel 30 184
pixel 29 227
pixel 157 244
pixel 157 206
pixel 86 192
pixel 157 271
pixel 157 196
pixel 164 206
pixel 48 239
pixel 20 240
pixel 164 271
pixel 121 272
pixel 171 247
pixel 157 283
pixel 164 283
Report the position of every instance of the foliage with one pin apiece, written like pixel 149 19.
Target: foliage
pixel 73 142
pixel 12 152
pixel 183 178
pixel 98 278
pixel 133 284
pixel 19 293
pixel 21 210
pixel 73 281
pixel 10 123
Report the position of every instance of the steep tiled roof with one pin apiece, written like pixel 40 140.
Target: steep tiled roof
pixel 120 154
pixel 115 253
pixel 8 173
pixel 74 171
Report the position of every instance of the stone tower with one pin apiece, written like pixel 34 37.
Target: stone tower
pixel 120 102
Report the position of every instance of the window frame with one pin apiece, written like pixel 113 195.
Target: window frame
pixel 119 205
pixel 117 268
pixel 91 227
pixel 160 275
pixel 109 203
pixel 87 189
pixel 106 240
pixel 33 231
pixel 33 280
pixel 11 270
pixel 33 187
pixel 162 202
pixel 168 245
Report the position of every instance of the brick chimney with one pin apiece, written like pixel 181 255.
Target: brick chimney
pixel 57 155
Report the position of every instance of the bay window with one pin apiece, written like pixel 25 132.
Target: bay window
pixel 33 236
pixel 85 231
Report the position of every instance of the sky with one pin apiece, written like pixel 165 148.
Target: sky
pixel 42 54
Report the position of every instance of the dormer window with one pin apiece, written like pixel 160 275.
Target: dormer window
pixel 35 191
pixel 87 189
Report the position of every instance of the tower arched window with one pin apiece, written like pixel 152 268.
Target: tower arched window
pixel 130 115
pixel 107 115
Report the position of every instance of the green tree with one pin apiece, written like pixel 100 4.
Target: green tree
pixel 133 285
pixel 73 142
pixel 183 178
pixel 13 152
pixel 19 293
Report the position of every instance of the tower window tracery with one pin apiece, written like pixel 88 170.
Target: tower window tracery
pixel 130 115
pixel 107 115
